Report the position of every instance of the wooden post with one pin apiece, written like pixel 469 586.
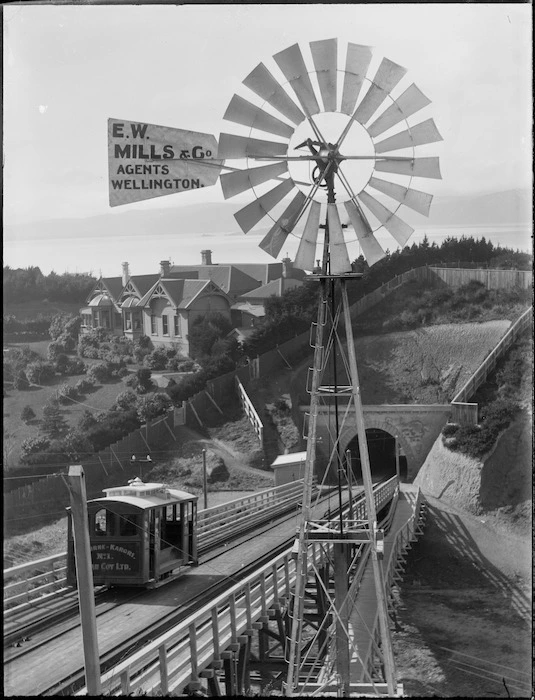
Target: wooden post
pixel 397 459
pixel 84 575
pixel 204 480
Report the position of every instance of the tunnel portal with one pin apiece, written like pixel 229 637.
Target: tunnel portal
pixel 382 454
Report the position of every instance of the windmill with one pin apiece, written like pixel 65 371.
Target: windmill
pixel 322 136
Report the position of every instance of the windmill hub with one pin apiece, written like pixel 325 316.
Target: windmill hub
pixel 357 142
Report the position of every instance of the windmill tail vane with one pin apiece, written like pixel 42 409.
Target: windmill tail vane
pixel 317 112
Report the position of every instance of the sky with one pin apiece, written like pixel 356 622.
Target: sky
pixel 68 68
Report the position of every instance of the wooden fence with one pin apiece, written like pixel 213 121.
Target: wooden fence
pixel 464 412
pixel 109 467
pixel 492 279
pixel 250 411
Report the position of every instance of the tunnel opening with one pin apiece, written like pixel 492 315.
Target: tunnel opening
pixel 382 454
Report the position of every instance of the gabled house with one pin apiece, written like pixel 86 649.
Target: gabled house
pixel 163 306
pixel 172 305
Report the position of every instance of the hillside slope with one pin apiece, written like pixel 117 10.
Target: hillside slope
pixel 428 365
pixel 497 488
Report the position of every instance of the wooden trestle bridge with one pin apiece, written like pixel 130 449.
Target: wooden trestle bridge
pixel 238 642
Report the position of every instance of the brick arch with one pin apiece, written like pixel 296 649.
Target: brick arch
pixel 391 429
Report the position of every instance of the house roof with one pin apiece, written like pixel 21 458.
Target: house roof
pixel 180 292
pixel 129 302
pixel 114 285
pixel 274 288
pixel 292 458
pixel 229 278
pixel 248 308
pixel 101 300
pixel 142 283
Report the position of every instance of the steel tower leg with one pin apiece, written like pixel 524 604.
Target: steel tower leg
pixel 386 642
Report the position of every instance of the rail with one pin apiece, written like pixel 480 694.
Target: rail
pixel 29 584
pixel 464 412
pixel 403 538
pixel 180 656
pixel 250 411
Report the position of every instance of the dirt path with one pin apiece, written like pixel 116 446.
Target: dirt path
pixel 232 458
pixel 228 454
pixel 463 610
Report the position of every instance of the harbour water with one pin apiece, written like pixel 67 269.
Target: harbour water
pixel 104 254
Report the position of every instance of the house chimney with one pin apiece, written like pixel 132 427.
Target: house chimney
pixel 206 257
pixel 287 266
pixel 165 268
pixel 126 273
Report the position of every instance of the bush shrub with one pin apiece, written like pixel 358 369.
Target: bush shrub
pixel 156 360
pixel 83 386
pixel 27 414
pixel 126 400
pixel 65 393
pixel 76 366
pixel 20 381
pixel 40 372
pixel 100 372
pixel 32 445
pixel 111 427
pixel 55 348
pixel 151 406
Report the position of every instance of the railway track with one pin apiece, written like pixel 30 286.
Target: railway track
pixel 43 653
pixel 17 636
pixel 54 633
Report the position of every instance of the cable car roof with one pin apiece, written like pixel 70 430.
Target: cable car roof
pixel 142 495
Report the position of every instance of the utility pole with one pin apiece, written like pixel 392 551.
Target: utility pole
pixel 84 576
pixel 204 480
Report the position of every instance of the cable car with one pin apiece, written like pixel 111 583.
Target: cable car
pixel 139 534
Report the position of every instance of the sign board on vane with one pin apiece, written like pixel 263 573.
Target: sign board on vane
pixel 147 161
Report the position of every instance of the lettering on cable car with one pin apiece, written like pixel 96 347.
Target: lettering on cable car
pixel 109 557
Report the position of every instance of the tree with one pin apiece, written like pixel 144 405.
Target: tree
pixel 40 372
pixel 205 331
pixel 75 445
pixel 144 381
pixel 27 414
pixel 53 423
pixel 152 405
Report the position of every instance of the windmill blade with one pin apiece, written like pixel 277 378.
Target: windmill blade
pixel 417 167
pixel 387 77
pixel 369 244
pixel 339 258
pixel 231 146
pixel 419 201
pixel 324 55
pixel 425 132
pixel 276 236
pixel 243 112
pixel 250 215
pixel 240 180
pixel 393 224
pixel 263 84
pixel 410 102
pixel 357 62
pixel 306 253
pixel 292 64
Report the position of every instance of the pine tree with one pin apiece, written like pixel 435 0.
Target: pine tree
pixel 53 423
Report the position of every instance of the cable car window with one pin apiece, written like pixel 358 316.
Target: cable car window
pixel 104 521
pixel 170 513
pixel 128 526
